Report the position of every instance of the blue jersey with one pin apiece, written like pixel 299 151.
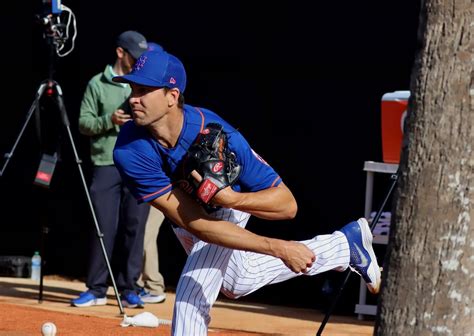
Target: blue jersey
pixel 151 170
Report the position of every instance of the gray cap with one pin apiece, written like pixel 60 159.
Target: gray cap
pixel 133 42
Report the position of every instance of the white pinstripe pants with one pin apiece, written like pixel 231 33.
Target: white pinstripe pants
pixel 211 268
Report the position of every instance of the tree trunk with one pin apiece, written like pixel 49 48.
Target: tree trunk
pixel 428 278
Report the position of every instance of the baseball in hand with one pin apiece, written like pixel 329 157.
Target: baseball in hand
pixel 49 329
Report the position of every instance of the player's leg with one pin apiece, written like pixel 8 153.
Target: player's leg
pixel 198 287
pixel 248 271
pixel 201 279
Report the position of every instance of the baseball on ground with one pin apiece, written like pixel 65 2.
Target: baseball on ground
pixel 49 329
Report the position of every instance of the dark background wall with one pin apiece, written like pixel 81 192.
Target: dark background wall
pixel 302 82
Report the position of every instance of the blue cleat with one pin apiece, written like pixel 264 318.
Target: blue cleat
pixel 132 300
pixel 362 257
pixel 88 299
pixel 147 297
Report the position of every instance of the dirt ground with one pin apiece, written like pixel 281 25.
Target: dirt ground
pixel 21 314
pixel 26 321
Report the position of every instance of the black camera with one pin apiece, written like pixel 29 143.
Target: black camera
pixel 49 11
pixel 53 6
pixel 49 16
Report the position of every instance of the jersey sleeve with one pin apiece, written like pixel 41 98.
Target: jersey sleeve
pixel 256 173
pixel 142 174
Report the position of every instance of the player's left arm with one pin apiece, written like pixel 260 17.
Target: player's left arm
pixel 274 203
pixel 262 194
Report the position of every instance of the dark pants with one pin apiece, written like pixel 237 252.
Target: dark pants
pixel 122 222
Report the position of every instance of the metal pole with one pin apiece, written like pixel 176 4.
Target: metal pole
pixel 100 235
pixel 394 177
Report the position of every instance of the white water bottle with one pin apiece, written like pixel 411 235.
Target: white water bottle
pixel 36 267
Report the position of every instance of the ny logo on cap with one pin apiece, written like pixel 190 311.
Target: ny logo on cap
pixel 140 63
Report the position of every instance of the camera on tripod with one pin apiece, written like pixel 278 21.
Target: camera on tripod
pixel 52 6
pixel 56 26
pixel 50 18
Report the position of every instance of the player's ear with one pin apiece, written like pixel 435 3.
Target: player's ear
pixel 172 95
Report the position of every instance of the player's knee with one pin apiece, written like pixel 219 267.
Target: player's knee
pixel 202 307
pixel 231 292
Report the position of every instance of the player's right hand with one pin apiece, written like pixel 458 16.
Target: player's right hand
pixel 297 257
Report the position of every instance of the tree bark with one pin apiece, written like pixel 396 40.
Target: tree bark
pixel 428 277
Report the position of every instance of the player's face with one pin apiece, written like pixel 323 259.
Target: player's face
pixel 149 104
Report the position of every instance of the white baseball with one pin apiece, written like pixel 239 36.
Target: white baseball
pixel 49 329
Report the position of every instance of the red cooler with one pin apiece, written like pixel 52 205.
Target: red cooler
pixel 394 111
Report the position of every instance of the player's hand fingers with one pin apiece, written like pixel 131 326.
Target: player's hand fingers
pixel 308 267
pixel 196 176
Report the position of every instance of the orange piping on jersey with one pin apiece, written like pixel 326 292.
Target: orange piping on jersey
pixel 202 118
pixel 156 192
pixel 275 181
pixel 200 131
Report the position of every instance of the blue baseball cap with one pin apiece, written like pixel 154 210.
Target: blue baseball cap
pixel 154 46
pixel 156 69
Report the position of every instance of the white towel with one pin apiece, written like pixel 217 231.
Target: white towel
pixel 145 319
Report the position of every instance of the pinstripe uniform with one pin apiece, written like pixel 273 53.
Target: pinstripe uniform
pixel 210 268
pixel 152 171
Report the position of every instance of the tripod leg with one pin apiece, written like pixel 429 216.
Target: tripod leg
pixel 394 178
pixel 78 161
pixel 32 109
pixel 333 304
pixel 44 234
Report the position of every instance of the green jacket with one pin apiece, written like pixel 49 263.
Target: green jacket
pixel 101 98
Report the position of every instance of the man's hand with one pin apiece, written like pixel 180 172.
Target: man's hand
pixel 297 256
pixel 119 117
